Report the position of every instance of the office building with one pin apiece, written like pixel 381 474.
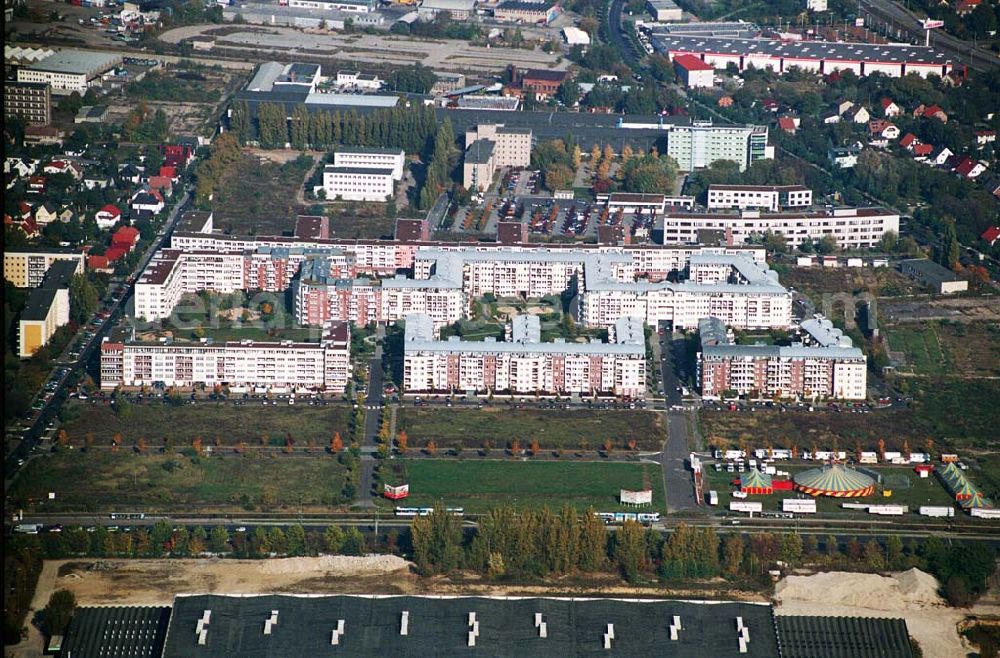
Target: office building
pixel 664 11
pixel 527 11
pixel 761 197
pixel 372 158
pixel 358 183
pixel 523 364
pixel 511 146
pixel 698 145
pixel 31 101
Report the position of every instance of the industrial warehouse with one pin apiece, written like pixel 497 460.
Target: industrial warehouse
pixel 305 625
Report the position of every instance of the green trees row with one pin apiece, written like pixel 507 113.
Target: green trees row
pixel 442 162
pixel 409 129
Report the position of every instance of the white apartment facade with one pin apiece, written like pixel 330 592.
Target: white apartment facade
pixel 854 228
pixel 698 145
pixel 512 146
pixel 357 183
pixel 372 158
pixel 523 364
pixel 762 197
pixel 286 364
pixel 27 269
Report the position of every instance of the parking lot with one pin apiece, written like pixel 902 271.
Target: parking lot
pixel 520 199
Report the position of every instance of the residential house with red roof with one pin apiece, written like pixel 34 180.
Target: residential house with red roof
pixel 922 151
pixel 108 216
pixel 908 141
pixel 162 184
pixel 991 235
pixel 36 185
pixel 788 124
pixel 176 155
pixel 64 167
pixel 931 112
pixel 881 132
pixel 969 168
pixel 889 108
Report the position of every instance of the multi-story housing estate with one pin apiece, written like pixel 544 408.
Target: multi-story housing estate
pixel 265 365
pixel 761 197
pixel 46 309
pixel 27 269
pixel 736 289
pixel 828 366
pixel 523 364
pixel 853 228
pixel 32 101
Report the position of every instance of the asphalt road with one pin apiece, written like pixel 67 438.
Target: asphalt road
pixel 678 482
pixel 32 434
pixel 373 414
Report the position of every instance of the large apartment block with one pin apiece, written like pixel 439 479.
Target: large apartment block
pixel 32 101
pixel 852 228
pixel 320 296
pixel 27 269
pixel 46 309
pixel 736 289
pixel 523 364
pixel 761 197
pixel 827 366
pixel 173 273
pixel 264 365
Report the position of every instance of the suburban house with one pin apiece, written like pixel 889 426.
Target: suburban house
pixel 108 216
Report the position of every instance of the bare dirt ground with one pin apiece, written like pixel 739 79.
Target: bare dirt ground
pixel 959 309
pixel 911 595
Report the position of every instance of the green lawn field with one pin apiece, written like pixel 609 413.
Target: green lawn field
pixel 208 420
pixel 478 485
pixel 102 481
pixel 553 428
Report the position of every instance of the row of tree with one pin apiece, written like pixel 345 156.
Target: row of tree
pixel 406 128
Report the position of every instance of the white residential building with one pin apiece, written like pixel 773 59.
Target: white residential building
pixel 286 364
pixel 698 145
pixel 763 197
pixel 359 80
pixel 850 227
pixel 511 146
pixel 357 183
pixel 372 158
pixel 523 364
pixel 830 368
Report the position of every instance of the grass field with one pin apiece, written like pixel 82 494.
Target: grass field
pixel 921 491
pixel 553 428
pixel 100 481
pixel 948 348
pixel 817 281
pixel 481 485
pixel 921 347
pixel 956 413
pixel 209 421
pixel 258 198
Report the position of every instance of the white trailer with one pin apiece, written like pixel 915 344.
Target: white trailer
pixel 937 510
pixel 751 507
pixel 799 505
pixel 887 510
pixel 713 497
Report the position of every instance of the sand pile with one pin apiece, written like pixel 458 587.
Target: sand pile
pixel 333 565
pixel 911 589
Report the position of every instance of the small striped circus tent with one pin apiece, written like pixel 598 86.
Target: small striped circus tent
pixel 962 489
pixel 755 482
pixel 836 481
pixel 976 501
